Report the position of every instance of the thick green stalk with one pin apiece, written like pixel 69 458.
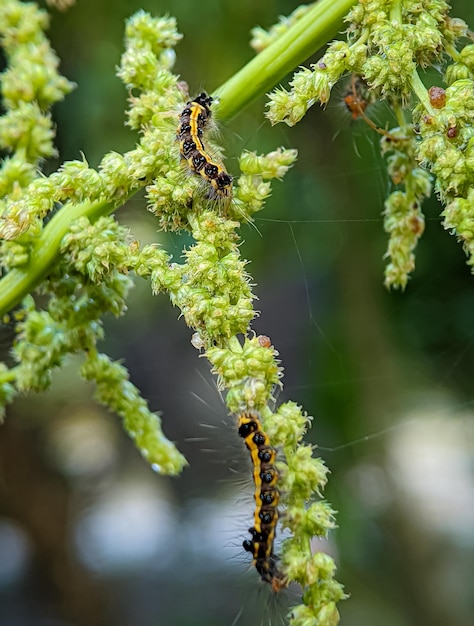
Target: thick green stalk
pixel 21 281
pixel 260 75
pixel 299 42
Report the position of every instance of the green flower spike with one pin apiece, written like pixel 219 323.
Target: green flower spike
pixel 386 44
pixel 29 87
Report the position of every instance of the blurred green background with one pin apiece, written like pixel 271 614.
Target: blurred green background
pixel 89 535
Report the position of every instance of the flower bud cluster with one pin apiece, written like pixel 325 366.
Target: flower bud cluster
pixel 253 186
pixel 96 250
pixel 249 371
pixel 384 46
pixel 118 175
pixel 114 180
pixel 91 280
pixel 114 390
pixel 403 218
pixel 447 150
pixel 30 85
pixel 149 51
pixel 213 292
pixel 386 43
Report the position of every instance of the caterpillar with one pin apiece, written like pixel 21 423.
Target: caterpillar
pixel 193 120
pixel 265 477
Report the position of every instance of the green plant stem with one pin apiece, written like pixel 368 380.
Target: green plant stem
pixel 396 11
pixel 264 71
pixel 453 53
pixel 416 82
pixel 257 77
pixel 400 115
pixel 421 92
pixel 21 281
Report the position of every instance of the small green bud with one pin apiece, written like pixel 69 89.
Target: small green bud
pixel 322 86
pixel 466 56
pixel 16 172
pixel 25 128
pixel 336 59
pixel 457 71
pixel 13 254
pixel 320 567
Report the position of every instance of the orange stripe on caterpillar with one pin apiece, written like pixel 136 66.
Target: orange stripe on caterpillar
pixel 193 121
pixel 265 476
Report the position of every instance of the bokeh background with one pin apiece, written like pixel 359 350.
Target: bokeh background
pixel 90 536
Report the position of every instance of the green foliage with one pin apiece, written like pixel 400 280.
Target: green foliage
pixel 387 43
pixel 69 263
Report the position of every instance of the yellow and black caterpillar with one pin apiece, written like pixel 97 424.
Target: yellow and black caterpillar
pixel 265 477
pixel 193 121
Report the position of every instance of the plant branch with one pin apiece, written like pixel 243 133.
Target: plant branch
pixel 260 75
pixel 263 72
pixel 21 281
